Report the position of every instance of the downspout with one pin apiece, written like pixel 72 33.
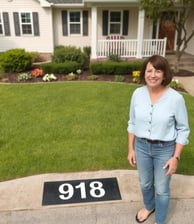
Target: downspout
pixel 140 31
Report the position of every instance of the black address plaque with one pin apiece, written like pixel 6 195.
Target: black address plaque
pixel 80 191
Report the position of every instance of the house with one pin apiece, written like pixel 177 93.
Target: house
pixel 108 26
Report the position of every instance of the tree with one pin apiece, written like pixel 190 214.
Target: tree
pixel 178 12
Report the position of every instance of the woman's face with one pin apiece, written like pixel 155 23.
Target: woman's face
pixel 153 77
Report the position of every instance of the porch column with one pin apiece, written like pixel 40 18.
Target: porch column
pixel 94 33
pixel 140 31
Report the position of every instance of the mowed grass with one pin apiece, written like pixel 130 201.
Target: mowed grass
pixel 71 126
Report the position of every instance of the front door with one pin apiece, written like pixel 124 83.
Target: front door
pixel 167 29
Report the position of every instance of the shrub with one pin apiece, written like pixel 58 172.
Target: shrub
pixel 37 72
pixel 92 77
pixel 60 68
pixel 136 77
pixel 69 53
pixel 96 67
pixel 112 67
pixel 114 57
pixel 15 60
pixel 71 76
pixel 24 77
pixel 175 84
pixel 49 78
pixel 119 78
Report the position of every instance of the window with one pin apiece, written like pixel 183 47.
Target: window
pixel 1 24
pixel 115 23
pixel 74 22
pixel 26 23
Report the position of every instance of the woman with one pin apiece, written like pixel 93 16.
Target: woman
pixel 157 129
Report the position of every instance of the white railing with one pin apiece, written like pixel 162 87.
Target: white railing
pixel 129 47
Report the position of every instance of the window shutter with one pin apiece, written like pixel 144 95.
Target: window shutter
pixel 64 23
pixel 125 22
pixel 36 24
pixel 85 23
pixel 105 23
pixel 6 23
pixel 16 23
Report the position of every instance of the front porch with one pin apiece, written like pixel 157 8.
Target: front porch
pixel 130 48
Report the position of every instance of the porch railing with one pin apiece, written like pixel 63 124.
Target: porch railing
pixel 129 47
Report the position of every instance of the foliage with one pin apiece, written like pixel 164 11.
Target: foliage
pixel 93 77
pixel 87 51
pixel 119 78
pixel 114 57
pixel 37 72
pixel 136 77
pixel 115 68
pixel 24 76
pixel 15 60
pixel 35 56
pixel 49 77
pixel 60 68
pixel 175 84
pixel 71 76
pixel 178 12
pixel 69 53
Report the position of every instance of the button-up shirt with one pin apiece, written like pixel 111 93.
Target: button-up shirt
pixel 165 120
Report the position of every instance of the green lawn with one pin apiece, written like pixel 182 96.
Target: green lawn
pixel 71 126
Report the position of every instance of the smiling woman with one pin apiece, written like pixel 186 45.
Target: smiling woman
pixel 158 130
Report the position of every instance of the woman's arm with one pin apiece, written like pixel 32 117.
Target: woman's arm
pixel 131 151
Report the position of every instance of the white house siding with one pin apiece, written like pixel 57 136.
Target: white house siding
pixel 190 28
pixel 42 43
pixel 73 40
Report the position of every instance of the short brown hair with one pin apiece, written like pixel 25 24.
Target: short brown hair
pixel 160 63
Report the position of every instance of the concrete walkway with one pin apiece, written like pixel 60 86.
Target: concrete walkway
pixel 188 83
pixel 21 201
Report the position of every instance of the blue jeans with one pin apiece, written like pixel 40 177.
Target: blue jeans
pixel 153 182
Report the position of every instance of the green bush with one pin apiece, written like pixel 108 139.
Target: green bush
pixel 60 68
pixel 112 67
pixel 69 53
pixel 15 60
pixel 119 78
pixel 96 67
pixel 114 57
pixel 24 76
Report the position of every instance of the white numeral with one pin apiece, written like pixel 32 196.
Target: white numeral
pixel 82 187
pixel 67 190
pixel 66 194
pixel 96 189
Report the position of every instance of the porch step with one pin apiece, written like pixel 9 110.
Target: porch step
pixel 186 62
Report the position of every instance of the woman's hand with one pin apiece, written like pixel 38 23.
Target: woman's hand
pixel 172 165
pixel 132 158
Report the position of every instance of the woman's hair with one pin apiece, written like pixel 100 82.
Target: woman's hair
pixel 159 63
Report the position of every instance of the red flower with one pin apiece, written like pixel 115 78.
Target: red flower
pixel 37 72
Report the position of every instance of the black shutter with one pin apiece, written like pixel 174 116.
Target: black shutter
pixel 36 24
pixel 6 23
pixel 105 23
pixel 85 23
pixel 125 22
pixel 16 23
pixel 64 23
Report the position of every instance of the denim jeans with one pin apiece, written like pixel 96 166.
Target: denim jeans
pixel 153 182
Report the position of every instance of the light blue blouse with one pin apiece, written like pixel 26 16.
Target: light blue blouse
pixel 166 120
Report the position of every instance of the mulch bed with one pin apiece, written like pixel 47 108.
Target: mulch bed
pixel 13 78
